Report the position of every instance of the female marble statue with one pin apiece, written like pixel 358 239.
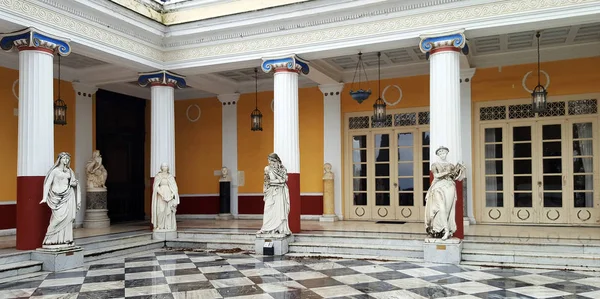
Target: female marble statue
pixel 277 198
pixel 440 203
pixel 63 196
pixel 327 173
pixel 165 198
pixel 96 173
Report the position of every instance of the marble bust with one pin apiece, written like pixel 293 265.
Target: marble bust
pixel 276 198
pixel 96 173
pixel 441 198
pixel 327 173
pixel 225 177
pixel 165 198
pixel 62 194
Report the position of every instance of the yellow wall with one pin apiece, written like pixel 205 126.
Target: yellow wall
pixel 64 136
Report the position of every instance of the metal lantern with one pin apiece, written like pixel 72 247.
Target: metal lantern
pixel 256 115
pixel 538 96
pixel 60 107
pixel 379 113
pixel 360 94
pixel 60 112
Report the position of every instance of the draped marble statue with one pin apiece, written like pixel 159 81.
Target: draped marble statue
pixel 276 198
pixel 441 198
pixel 63 196
pixel 165 198
pixel 96 173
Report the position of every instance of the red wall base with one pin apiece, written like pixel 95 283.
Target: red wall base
pixel 8 216
pixel 32 217
pixel 295 202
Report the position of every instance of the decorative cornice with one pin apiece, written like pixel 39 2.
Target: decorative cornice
pixel 287 63
pixel 331 89
pixel 31 38
pixel 229 99
pixel 82 89
pixel 453 41
pixel 467 74
pixel 161 78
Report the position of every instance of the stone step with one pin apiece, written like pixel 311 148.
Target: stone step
pixel 97 242
pixel 355 256
pixel 121 249
pixel 216 235
pixel 19 268
pixel 212 244
pixel 566 248
pixel 367 240
pixel 14 257
pixel 357 249
pixel 562 260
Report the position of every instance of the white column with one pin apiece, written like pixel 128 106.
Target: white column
pixel 83 139
pixel 332 138
pixel 466 129
pixel 163 128
pixel 229 143
pixel 36 113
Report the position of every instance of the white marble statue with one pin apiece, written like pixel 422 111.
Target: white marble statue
pixel 63 196
pixel 165 198
pixel 96 173
pixel 440 204
pixel 225 177
pixel 276 198
pixel 327 173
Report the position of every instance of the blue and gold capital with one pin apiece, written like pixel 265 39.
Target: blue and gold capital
pixel 164 78
pixel 448 41
pixel 31 39
pixel 289 63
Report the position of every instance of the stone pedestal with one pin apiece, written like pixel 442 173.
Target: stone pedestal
pixel 442 252
pixel 278 244
pixel 328 202
pixel 59 259
pixel 96 211
pixel 164 234
pixel 224 201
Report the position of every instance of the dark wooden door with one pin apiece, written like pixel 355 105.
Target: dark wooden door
pixel 120 135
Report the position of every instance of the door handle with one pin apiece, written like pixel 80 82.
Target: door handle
pixel 395 184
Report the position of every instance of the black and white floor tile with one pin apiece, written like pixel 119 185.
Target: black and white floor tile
pixel 179 274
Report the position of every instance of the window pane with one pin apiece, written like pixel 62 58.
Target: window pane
pixel 582 130
pixel 493 167
pixel 581 165
pixel 522 150
pixel 522 166
pixel 493 151
pixel 552 166
pixel 405 154
pixel 552 200
pixel 552 182
pixel 359 156
pixel 405 169
pixel 425 153
pixel 360 170
pixel 382 184
pixel 407 199
pixel 382 199
pixel 382 155
pixel 360 184
pixel 426 168
pixel 406 184
pixel 493 135
pixel 552 149
pixel 405 139
pixel 360 199
pixel 522 183
pixel 382 140
pixel 550 132
pixel 425 138
pixel 359 141
pixel 583 182
pixel 521 133
pixel 583 147
pixel 584 199
pixel 494 200
pixel 523 200
pixel 382 169
pixel 426 184
pixel 493 183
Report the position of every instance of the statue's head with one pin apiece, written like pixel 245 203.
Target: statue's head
pixel 224 171
pixel 442 152
pixel 274 160
pixel 96 155
pixel 64 158
pixel 327 167
pixel 164 167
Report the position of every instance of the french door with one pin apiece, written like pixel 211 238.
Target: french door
pixel 541 171
pixel 388 171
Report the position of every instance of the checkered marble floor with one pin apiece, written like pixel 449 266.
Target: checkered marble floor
pixel 187 274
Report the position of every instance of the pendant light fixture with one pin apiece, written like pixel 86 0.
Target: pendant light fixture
pixel 379 113
pixel 60 108
pixel 538 96
pixel 256 116
pixel 360 94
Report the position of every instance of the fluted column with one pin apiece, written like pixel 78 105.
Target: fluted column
pixel 443 51
pixel 467 157
pixel 83 139
pixel 162 128
pixel 332 146
pixel 286 142
pixel 229 144
pixel 36 128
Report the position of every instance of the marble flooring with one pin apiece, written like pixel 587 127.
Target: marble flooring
pixel 183 274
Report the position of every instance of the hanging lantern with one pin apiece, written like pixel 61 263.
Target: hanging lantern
pixel 60 107
pixel 360 94
pixel 256 115
pixel 538 96
pixel 379 113
pixel 60 112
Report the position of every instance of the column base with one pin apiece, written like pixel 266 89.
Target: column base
pixel 269 244
pixel 96 219
pixel 226 216
pixel 328 218
pixel 442 251
pixel 60 258
pixel 164 235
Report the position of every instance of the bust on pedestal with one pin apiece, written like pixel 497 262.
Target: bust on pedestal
pixel 440 207
pixel 275 235
pixel 62 194
pixel 96 213
pixel 224 195
pixel 165 198
pixel 328 195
